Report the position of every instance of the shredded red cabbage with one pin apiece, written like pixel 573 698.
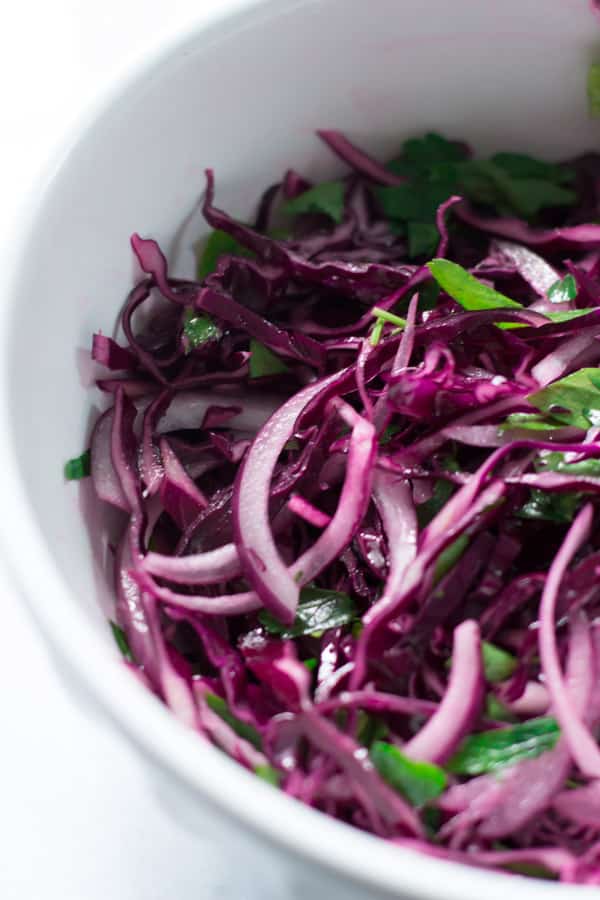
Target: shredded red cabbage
pixel 357 462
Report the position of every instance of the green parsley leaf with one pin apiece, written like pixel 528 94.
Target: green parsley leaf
pixel 268 774
pixel 442 491
pixel 550 507
pixel 498 665
pixel 419 782
pixel 427 153
pixel 450 556
pixel 519 165
pixel 218 244
pixel 79 467
pixel 574 400
pixel 563 289
pixel 242 729
pixel 494 709
pixel 121 641
pixel 489 751
pixel 264 362
pixel 528 422
pixel 423 238
pixel 466 289
pixel 317 611
pixel 417 201
pixel 526 196
pixel 370 728
pixel 557 462
pixel 326 198
pixel 593 90
pixel 199 330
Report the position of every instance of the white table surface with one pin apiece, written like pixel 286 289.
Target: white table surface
pixel 78 820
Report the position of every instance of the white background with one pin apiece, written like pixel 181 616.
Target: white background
pixel 78 819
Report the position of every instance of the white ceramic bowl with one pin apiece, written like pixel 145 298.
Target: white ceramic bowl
pixel 243 94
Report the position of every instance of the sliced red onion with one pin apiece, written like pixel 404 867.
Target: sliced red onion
pixel 580 805
pixel 582 745
pixel 104 476
pixel 261 561
pixel 212 567
pixel 440 221
pixel 377 798
pixel 301 507
pixel 539 274
pixel 460 705
pixel 221 605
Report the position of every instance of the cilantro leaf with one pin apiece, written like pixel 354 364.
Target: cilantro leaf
pixel 199 330
pixel 78 467
pixel 467 290
pixel 318 610
pixel 450 556
pixel 593 90
pixel 326 198
pixel 488 751
pixel 218 244
pixel 557 462
pixel 498 664
pixel 268 774
pixel 121 641
pixel 264 362
pixel 419 782
pixel 550 507
pixel 563 289
pixel 423 238
pixel 242 729
pixel 520 165
pixel 574 400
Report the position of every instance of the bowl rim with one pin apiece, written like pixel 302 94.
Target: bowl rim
pixel 197 766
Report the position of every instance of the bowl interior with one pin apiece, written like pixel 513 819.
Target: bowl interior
pixel 245 97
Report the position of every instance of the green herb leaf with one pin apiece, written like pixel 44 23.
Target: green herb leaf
pixel 519 165
pixel 264 362
pixel 466 289
pixel 385 316
pixel 311 663
pixel 497 663
pixel 557 462
pixel 317 611
pixel 121 641
pixel 565 315
pixel 242 729
pixel 489 751
pixel 563 289
pixel 218 244
pixel 486 182
pixel 559 508
pixel 326 198
pixel 427 153
pixel 199 330
pixel 419 782
pixel 450 556
pixel 574 400
pixel 370 728
pixel 593 90
pixel 417 201
pixel 442 491
pixel 423 238
pixel 494 709
pixel 528 422
pixel 268 774
pixel 79 467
